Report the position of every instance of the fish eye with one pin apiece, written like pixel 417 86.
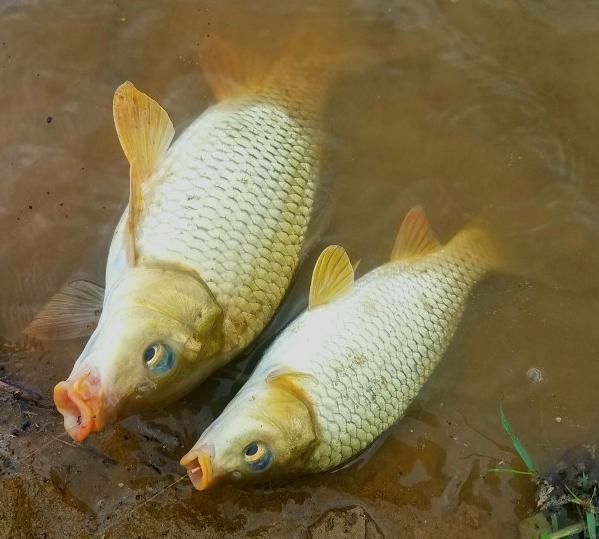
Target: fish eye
pixel 258 456
pixel 159 358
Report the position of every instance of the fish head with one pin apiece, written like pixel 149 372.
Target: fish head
pixel 265 433
pixel 158 336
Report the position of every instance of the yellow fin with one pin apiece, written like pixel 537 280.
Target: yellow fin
pixel 296 70
pixel 415 237
pixel 283 377
pixel 291 382
pixel 332 276
pixel 145 132
pixel 481 246
pixel 228 72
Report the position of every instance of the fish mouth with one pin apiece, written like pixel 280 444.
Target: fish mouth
pixel 199 468
pixel 81 405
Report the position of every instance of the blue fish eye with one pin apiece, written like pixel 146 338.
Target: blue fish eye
pixel 159 358
pixel 149 353
pixel 258 456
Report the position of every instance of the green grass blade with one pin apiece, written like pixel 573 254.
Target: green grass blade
pixel 591 525
pixel 568 531
pixel 522 453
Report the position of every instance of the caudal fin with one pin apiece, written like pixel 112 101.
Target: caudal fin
pixel 480 244
pixel 298 70
pixel 416 239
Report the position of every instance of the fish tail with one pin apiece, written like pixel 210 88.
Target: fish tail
pixel 479 244
pixel 416 240
pixel 298 72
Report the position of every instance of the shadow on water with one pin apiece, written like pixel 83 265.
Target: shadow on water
pixel 481 110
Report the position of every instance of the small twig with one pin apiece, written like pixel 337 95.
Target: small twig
pixel 95 452
pixel 575 499
pixel 512 471
pixel 65 442
pixel 154 496
pixel 92 450
pixel 20 393
pixel 43 446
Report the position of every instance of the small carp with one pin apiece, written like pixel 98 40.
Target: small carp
pixel 207 247
pixel 348 367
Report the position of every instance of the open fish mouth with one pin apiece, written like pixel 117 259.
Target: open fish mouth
pixel 199 468
pixel 81 405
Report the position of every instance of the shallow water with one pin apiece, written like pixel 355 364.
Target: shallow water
pixel 481 110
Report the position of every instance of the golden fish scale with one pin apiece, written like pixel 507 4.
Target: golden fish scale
pixel 232 200
pixel 371 351
pixel 394 331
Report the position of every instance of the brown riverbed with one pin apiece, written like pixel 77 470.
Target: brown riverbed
pixel 473 109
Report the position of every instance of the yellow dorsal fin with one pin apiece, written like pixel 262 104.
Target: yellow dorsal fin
pixel 415 237
pixel 332 276
pixel 145 132
pixel 229 72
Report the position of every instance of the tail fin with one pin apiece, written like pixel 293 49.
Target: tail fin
pixel 415 239
pixel 299 71
pixel 479 244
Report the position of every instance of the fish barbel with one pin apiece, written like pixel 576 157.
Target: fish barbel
pixel 348 367
pixel 207 247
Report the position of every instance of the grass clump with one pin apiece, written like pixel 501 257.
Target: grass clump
pixel 566 496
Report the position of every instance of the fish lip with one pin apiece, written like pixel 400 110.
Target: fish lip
pixel 198 463
pixel 82 406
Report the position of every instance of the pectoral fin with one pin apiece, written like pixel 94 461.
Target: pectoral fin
pixel 293 383
pixel 145 132
pixel 73 312
pixel 333 275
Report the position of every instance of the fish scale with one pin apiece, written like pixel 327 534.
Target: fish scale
pixel 208 245
pixel 232 200
pixel 382 341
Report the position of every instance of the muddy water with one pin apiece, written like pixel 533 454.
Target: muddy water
pixel 472 109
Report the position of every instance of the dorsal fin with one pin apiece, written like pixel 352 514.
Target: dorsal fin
pixel 415 237
pixel 229 72
pixel 332 276
pixel 145 132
